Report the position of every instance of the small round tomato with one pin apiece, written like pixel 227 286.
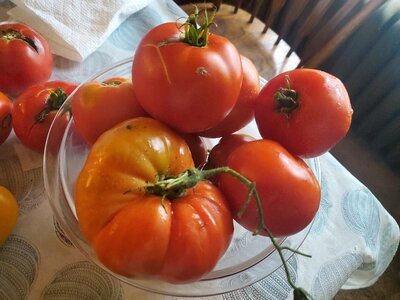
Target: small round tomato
pixel 8 213
pixel 6 107
pixel 197 147
pixel 307 111
pixel 25 58
pixel 220 152
pixel 139 225
pixel 196 79
pixel 35 109
pixel 288 190
pixel 98 106
pixel 243 111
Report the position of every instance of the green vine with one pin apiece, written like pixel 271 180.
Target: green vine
pixel 172 187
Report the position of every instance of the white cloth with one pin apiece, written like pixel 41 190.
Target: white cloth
pixel 75 28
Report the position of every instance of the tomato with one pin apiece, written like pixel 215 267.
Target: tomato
pixel 190 88
pixel 307 111
pixel 8 213
pixel 25 58
pixel 289 192
pixel 220 152
pixel 243 111
pixel 35 109
pixel 197 147
pixel 98 106
pixel 5 117
pixel 137 227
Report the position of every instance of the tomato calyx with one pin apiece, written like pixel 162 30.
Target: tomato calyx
pixel 196 32
pixel 286 99
pixel 10 34
pixel 54 102
pixel 173 187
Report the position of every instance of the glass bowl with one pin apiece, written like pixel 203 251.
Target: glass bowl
pixel 248 259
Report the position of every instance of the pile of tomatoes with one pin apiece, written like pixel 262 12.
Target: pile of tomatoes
pixel 28 100
pixel 151 199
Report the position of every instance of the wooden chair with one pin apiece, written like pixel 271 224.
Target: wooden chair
pixel 233 23
pixel 309 30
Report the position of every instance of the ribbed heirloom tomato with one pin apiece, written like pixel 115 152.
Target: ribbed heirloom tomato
pixel 140 225
pixel 195 76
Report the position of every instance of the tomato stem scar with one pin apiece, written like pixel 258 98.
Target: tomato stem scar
pixel 286 99
pixel 12 34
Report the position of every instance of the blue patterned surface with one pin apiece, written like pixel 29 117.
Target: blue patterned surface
pixel 333 274
pixel 361 214
pixel 274 287
pixel 322 215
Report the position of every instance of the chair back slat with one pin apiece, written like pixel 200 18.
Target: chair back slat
pixel 342 33
pixel 273 10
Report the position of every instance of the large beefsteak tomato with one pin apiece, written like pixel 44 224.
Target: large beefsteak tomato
pixel 189 85
pixel 138 227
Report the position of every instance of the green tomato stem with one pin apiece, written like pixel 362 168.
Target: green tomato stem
pixel 54 102
pixel 173 187
pixel 195 32
pixel 286 99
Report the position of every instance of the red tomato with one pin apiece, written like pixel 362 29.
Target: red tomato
pixel 288 189
pixel 226 145
pixel 307 111
pixel 25 58
pixel 190 88
pixel 35 109
pixel 98 106
pixel 197 147
pixel 6 107
pixel 135 228
pixel 243 111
